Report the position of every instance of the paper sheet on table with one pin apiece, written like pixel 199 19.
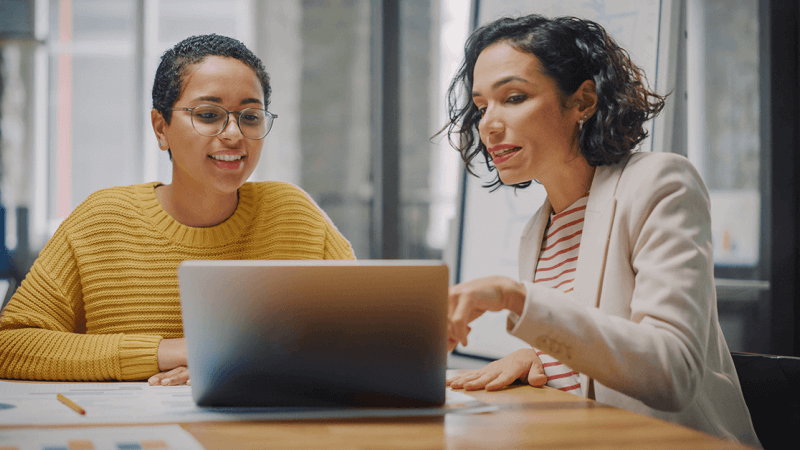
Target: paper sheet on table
pixel 171 437
pixel 36 404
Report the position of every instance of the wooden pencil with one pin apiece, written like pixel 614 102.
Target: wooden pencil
pixel 71 404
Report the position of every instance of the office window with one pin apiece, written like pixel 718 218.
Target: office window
pixel 101 58
pixel 93 106
pixel 724 142
pixel 332 153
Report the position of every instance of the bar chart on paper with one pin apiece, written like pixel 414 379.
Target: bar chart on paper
pixel 161 437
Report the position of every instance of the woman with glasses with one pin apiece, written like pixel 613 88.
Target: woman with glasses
pixel 101 301
pixel 616 277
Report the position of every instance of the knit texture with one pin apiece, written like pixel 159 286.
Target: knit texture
pixel 104 290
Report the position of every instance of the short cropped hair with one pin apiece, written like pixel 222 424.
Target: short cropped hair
pixel 193 50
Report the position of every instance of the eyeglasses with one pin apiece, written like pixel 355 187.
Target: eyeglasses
pixel 211 120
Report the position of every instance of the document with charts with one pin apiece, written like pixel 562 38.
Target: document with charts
pixel 162 437
pixel 131 403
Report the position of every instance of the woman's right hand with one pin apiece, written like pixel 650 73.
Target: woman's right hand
pixel 523 365
pixel 468 301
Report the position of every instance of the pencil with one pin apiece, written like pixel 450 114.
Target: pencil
pixel 71 404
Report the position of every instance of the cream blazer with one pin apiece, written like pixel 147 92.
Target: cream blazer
pixel 641 324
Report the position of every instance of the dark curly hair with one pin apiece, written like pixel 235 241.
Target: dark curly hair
pixel 571 51
pixel 193 50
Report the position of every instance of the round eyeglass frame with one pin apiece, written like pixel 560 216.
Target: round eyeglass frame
pixel 271 116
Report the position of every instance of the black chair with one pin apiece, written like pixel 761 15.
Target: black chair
pixel 771 388
pixel 9 272
pixel 8 267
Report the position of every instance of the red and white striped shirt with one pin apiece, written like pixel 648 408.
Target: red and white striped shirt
pixel 558 260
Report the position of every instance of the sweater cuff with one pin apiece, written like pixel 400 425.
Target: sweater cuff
pixel 138 356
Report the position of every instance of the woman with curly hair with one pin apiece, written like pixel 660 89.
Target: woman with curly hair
pixel 616 276
pixel 101 302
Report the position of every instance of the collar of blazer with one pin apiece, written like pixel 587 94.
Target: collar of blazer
pixel 600 211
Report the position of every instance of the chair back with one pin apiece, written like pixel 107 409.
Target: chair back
pixel 771 388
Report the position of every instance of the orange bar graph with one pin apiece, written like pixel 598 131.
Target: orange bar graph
pixel 80 445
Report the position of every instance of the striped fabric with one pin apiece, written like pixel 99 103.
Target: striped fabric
pixel 558 260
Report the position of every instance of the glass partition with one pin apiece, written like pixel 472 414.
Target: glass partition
pixel 323 60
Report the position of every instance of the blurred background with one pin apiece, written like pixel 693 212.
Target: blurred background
pixel 360 87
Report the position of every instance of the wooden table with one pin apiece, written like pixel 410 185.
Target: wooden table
pixel 528 418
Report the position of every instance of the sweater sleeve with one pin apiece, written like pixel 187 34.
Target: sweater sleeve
pixel 336 246
pixel 43 329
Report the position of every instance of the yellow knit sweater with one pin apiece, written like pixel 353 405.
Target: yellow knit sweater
pixel 104 290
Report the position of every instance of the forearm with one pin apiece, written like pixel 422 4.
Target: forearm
pixel 171 354
pixel 38 354
pixel 649 360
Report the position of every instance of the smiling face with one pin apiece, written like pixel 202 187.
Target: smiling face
pixel 220 163
pixel 525 127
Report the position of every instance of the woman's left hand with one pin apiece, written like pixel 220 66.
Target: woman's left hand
pixel 468 301
pixel 174 377
pixel 523 365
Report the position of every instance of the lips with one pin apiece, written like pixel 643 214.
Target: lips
pixel 228 161
pixel 502 153
pixel 224 157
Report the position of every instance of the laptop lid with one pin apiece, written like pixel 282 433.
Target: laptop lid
pixel 315 333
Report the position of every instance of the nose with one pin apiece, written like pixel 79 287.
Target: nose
pixel 231 130
pixel 491 123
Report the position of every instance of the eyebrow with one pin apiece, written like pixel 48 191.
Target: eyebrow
pixel 250 100
pixel 211 98
pixel 501 82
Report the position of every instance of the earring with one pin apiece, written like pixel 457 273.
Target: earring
pixel 160 144
pixel 581 121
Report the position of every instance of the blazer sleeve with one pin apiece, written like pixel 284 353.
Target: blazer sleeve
pixel 651 344
pixel 43 329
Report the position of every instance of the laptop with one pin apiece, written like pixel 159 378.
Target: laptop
pixel 315 333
